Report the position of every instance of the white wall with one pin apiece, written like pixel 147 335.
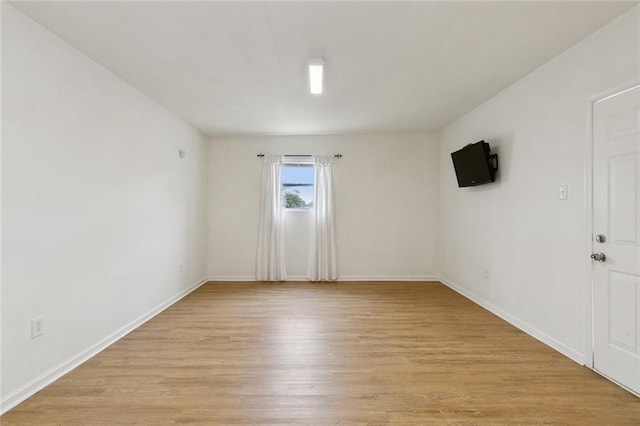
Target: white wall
pixel 386 197
pixel 98 211
pixel 531 243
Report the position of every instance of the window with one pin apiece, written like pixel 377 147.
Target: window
pixel 297 185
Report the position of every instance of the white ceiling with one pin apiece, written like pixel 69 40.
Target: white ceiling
pixel 240 67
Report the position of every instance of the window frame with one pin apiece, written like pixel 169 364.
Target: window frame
pixel 304 161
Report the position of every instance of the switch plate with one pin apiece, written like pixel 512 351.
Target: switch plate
pixel 563 192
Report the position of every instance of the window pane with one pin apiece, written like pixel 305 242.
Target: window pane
pixel 297 185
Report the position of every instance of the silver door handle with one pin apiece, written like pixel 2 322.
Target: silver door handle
pixel 599 257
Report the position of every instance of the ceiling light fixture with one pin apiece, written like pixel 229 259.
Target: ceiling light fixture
pixel 316 66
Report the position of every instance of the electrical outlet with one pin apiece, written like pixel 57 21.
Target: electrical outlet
pixel 37 327
pixel 181 267
pixel 485 274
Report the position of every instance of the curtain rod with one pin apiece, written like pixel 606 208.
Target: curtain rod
pixel 296 155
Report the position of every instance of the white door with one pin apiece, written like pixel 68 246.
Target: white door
pixel 616 235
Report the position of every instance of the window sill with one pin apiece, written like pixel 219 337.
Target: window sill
pixel 298 210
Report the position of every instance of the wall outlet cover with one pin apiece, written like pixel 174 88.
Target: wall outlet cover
pixel 37 327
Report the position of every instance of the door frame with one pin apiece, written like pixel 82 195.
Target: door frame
pixel 588 196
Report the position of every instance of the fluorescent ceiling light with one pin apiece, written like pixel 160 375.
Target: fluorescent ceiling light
pixel 316 66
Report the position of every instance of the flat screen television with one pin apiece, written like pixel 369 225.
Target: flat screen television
pixel 475 164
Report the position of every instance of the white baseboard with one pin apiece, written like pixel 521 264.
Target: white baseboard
pixel 522 325
pixel 247 278
pixel 387 278
pixel 218 278
pixel 55 373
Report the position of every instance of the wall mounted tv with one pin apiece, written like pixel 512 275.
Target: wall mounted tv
pixel 475 164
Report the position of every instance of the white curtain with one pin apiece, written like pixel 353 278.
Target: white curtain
pixel 270 265
pixel 322 256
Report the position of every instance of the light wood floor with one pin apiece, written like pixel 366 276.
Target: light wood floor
pixel 344 353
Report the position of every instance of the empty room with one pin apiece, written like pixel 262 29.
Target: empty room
pixel 320 213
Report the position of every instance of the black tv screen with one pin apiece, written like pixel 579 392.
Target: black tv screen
pixel 474 164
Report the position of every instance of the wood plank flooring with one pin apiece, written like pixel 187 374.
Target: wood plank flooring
pixel 340 353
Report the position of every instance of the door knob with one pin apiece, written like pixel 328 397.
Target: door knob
pixel 599 257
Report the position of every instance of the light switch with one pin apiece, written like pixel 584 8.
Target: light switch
pixel 563 192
